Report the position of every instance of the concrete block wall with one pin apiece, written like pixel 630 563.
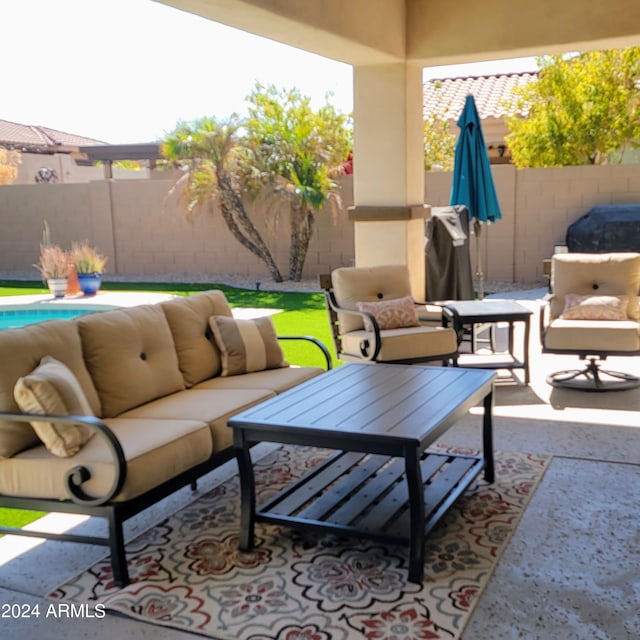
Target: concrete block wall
pixel 140 226
pixel 537 206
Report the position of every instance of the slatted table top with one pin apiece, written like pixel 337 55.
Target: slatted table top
pixel 391 406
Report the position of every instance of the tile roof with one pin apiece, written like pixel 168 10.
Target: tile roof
pixel 29 137
pixel 446 96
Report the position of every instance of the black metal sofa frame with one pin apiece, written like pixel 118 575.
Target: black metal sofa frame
pixel 115 512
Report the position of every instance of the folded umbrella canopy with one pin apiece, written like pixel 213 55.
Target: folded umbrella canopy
pixel 472 180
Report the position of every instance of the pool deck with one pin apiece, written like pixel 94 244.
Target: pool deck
pixel 104 300
pixel 100 299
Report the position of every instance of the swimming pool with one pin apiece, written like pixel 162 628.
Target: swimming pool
pixel 21 315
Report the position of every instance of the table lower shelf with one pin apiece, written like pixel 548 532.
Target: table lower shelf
pixel 367 495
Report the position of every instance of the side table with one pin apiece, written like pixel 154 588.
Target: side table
pixel 467 313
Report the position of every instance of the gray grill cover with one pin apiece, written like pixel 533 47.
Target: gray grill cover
pixel 449 275
pixel 606 228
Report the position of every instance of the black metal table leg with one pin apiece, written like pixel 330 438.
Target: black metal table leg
pixel 247 492
pixel 487 438
pixel 527 329
pixel 416 516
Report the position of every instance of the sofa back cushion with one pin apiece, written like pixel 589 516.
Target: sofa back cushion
pixel 188 318
pixel 367 284
pixel 596 274
pixel 22 350
pixel 131 357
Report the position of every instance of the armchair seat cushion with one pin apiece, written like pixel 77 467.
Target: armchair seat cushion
pixel 593 336
pixel 404 344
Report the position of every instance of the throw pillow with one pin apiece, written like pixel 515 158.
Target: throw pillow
pixel 53 388
pixel 396 313
pixel 579 307
pixel 246 345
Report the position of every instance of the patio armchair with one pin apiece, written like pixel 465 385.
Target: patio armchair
pixel 374 318
pixel 593 312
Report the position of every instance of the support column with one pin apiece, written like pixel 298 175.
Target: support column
pixel 389 209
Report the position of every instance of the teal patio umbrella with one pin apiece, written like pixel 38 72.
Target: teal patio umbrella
pixel 472 180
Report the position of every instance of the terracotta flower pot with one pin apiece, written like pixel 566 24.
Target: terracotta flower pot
pixel 73 286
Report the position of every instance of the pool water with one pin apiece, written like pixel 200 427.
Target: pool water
pixel 16 317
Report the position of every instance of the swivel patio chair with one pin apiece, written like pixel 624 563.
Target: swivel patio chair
pixel 593 312
pixel 374 318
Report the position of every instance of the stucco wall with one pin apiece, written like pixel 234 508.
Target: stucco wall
pixel 140 227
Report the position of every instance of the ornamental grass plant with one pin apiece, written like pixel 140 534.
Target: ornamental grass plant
pixel 86 258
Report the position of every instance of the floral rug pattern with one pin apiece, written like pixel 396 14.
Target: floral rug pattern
pixel 187 572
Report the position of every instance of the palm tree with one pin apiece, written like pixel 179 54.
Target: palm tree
pixel 297 152
pixel 284 147
pixel 211 153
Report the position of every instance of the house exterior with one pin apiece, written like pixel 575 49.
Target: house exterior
pixel 45 153
pixel 493 96
pixel 51 156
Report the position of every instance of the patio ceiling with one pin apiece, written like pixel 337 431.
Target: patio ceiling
pixel 429 32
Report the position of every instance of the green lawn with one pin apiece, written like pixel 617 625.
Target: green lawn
pixel 302 314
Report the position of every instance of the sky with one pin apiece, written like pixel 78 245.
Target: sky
pixel 126 71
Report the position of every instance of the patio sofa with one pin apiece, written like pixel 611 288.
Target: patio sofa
pixel 151 389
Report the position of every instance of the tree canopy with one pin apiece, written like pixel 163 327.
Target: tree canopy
pixel 9 161
pixel 439 143
pixel 579 111
pixel 284 146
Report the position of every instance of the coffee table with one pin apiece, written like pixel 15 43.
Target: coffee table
pixel 382 483
pixel 472 312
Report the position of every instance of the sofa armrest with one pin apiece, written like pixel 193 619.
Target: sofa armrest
pixel 78 474
pixel 315 341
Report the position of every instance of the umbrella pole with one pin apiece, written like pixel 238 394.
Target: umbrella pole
pixel 477 229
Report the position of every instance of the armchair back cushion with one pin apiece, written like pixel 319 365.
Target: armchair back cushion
pixel 596 274
pixel 352 285
pixel 131 357
pixel 22 350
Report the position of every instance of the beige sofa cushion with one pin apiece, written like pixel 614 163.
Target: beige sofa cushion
pixel 276 380
pixel 247 345
pixel 367 284
pixel 155 450
pixel 188 318
pixel 213 407
pixel 131 356
pixel 589 335
pixel 53 389
pixel 22 350
pixel 602 274
pixel 404 344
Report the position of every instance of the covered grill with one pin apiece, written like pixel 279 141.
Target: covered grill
pixel 605 229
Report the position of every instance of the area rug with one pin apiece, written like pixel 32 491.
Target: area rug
pixel 187 572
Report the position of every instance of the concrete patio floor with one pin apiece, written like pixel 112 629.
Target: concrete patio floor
pixel 570 570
